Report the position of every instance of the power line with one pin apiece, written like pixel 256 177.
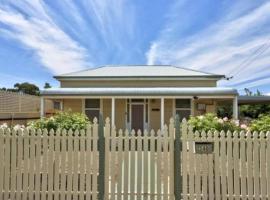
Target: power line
pixel 252 58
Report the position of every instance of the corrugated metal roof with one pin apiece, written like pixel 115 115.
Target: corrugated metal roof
pixel 138 71
pixel 254 99
pixel 156 91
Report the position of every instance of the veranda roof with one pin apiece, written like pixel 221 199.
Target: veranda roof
pixel 142 91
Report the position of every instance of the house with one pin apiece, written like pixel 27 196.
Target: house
pixel 140 97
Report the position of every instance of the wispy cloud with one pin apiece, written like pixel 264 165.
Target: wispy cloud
pixel 222 46
pixel 54 48
pixel 67 35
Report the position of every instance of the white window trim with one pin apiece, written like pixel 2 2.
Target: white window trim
pixel 189 109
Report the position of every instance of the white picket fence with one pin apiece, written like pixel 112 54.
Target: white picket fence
pixel 56 165
pixel 63 165
pixel 139 165
pixel 238 168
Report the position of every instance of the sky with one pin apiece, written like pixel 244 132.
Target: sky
pixel 42 38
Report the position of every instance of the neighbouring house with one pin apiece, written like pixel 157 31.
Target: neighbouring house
pixel 140 97
pixel 19 108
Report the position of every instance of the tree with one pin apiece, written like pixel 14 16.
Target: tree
pixel 47 85
pixel 27 88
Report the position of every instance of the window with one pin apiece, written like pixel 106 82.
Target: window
pixel 92 108
pixel 56 105
pixel 183 108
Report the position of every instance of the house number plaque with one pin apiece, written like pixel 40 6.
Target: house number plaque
pixel 204 147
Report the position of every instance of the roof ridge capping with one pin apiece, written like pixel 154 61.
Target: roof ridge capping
pixel 99 72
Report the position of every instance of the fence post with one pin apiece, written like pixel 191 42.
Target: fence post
pixel 101 149
pixel 177 160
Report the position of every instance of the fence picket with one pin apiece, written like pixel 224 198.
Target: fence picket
pixel 89 163
pixel 38 165
pixel 82 165
pixel 184 158
pixel 204 170
pixel 132 166
pixel 145 164
pixel 230 165
pixel 256 169
pixel 57 165
pixel 13 164
pixel 63 169
pixel 70 165
pixel 217 163
pixel 249 166
pixel 159 165
pixel 210 169
pixel 120 165
pixel 171 148
pixel 112 162
pixel 263 182
pixel 243 161
pixel 44 165
pixel 223 170
pixel 191 166
pixel 236 165
pixel 139 165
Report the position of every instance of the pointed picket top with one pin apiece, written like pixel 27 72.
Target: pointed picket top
pixel 159 134
pixel 107 120
pixel 51 132
pixel 209 135
pixel 145 134
pixel 203 135
pixel 249 135
pixel 45 132
pixel 133 132
pixel 2 131
pixel 126 133
pixel 229 135
pixel 197 135
pixel 255 135
pixel 58 132
pixel 190 134
pixel 235 135
pixel 172 120
pixel 216 134
pixel 120 133
pixel 262 135
pixel 165 130
pixel 88 127
pixel 95 120
pixel 64 132
pixel 222 134
pixel 14 132
pixel 242 135
pixel 268 135
pixel 139 133
pixel 82 133
pixel 20 132
pixel 70 132
pixel 152 133
pixel 76 133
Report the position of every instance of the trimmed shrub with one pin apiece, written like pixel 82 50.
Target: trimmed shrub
pixel 261 124
pixel 62 120
pixel 210 122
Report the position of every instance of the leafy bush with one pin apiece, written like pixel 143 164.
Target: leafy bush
pixel 261 124
pixel 62 120
pixel 210 122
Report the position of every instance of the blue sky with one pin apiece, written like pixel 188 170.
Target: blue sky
pixel 40 39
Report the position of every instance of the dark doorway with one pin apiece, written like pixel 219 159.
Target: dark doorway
pixel 137 117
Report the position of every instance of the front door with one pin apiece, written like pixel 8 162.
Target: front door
pixel 137 121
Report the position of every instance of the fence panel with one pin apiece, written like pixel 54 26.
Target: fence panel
pixel 64 165
pixel 41 165
pixel 237 166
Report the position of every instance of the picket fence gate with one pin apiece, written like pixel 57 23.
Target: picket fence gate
pixel 104 163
